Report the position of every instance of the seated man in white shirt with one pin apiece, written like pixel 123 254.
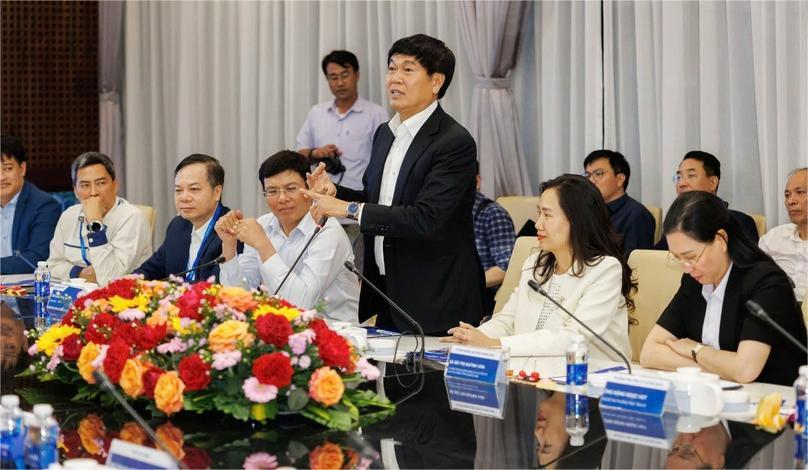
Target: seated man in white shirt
pixel 274 241
pixel 104 237
pixel 787 244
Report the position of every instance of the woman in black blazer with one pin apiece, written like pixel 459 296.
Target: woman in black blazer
pixel 707 323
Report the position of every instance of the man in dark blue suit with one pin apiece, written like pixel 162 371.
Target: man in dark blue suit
pixel 416 205
pixel 28 215
pixel 190 239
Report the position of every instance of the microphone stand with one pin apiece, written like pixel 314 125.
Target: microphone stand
pixel 536 287
pixel 317 229
pixel 19 255
pixel 102 379
pixel 214 262
pixel 758 311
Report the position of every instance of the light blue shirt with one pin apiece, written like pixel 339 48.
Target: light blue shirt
pixel 351 132
pixel 7 225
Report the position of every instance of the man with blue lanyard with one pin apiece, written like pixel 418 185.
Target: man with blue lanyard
pixel 190 239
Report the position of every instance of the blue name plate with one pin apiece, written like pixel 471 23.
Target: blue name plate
pixel 61 298
pixel 479 364
pixel 636 394
pixel 637 428
pixel 477 398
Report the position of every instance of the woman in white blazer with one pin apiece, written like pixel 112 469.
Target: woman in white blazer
pixel 580 263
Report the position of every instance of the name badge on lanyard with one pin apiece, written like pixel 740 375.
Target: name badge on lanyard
pixel 191 276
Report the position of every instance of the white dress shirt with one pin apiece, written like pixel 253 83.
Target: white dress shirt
pixel 714 295
pixel 405 132
pixel 197 237
pixel 7 225
pixel 790 252
pixel 320 273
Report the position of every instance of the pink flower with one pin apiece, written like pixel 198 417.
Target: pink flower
pixel 98 362
pixel 304 362
pixel 54 361
pixel 33 350
pixel 227 359
pixel 131 314
pixel 306 317
pixel 257 392
pixel 298 341
pixel 174 346
pixel 367 370
pixel 260 461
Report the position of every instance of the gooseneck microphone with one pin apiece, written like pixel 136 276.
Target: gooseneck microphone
pixel 19 255
pixel 214 262
pixel 536 287
pixel 758 311
pixel 106 385
pixel 317 230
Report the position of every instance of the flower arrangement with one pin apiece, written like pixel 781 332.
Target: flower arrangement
pixel 201 347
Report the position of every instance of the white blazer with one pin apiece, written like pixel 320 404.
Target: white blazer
pixel 595 298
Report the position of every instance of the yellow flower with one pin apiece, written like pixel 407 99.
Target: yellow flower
pixel 118 304
pixel 326 387
pixel 88 354
pixel 767 415
pixel 176 326
pixel 226 336
pixel 51 339
pixel 131 380
pixel 258 411
pixel 168 393
pixel 289 312
pixel 91 432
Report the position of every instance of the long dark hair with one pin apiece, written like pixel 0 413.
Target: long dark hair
pixel 591 233
pixel 700 215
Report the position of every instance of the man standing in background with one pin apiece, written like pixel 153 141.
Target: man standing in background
pixel 340 132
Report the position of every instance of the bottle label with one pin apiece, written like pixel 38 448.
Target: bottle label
pixel 577 405
pixel 801 423
pixel 576 374
pixel 40 455
pixel 6 439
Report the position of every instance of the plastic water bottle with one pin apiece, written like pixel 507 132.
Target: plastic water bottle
pixel 801 423
pixel 12 433
pixel 576 418
pixel 41 439
pixel 577 359
pixel 42 279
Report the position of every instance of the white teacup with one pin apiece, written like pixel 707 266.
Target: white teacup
pixel 697 393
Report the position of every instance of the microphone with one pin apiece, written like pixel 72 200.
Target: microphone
pixel 417 326
pixel 214 262
pixel 317 229
pixel 536 287
pixel 106 385
pixel 19 255
pixel 758 311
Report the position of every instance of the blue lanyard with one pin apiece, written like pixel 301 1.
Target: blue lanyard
pixel 81 243
pixel 191 276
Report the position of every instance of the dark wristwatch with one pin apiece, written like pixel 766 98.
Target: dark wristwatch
pixel 353 210
pixel 95 226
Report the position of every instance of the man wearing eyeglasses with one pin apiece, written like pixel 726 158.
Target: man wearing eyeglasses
pixel 701 171
pixel 610 172
pixel 274 241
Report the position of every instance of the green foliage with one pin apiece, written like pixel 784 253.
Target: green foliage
pixel 297 400
pixel 238 408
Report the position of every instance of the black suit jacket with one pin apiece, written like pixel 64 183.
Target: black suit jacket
pixel 766 284
pixel 172 256
pixel 432 268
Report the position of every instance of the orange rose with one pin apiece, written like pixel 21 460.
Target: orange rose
pixel 91 433
pixel 131 380
pixel 132 432
pixel 88 354
pixel 225 336
pixel 168 393
pixel 325 386
pixel 327 456
pixel 173 438
pixel 237 298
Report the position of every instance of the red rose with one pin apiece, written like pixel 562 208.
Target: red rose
pixel 334 350
pixel 273 329
pixel 126 331
pixel 194 372
pixel 148 337
pixel 71 347
pixel 192 300
pixel 117 354
pixel 150 378
pixel 100 328
pixel 124 288
pixel 273 369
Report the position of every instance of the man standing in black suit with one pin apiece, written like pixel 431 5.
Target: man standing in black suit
pixel 415 208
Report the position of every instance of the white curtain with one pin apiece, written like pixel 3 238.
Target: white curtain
pixel 110 79
pixel 491 33
pixel 725 77
pixel 236 79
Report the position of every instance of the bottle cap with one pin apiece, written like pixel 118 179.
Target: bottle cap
pixel 43 409
pixel 10 401
pixel 41 264
pixel 578 338
pixel 803 370
pixel 576 440
pixel 30 420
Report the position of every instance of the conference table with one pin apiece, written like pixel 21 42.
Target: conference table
pixel 426 432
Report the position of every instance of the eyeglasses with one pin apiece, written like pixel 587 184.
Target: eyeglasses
pixel 685 263
pixel 276 192
pixel 686 451
pixel 595 175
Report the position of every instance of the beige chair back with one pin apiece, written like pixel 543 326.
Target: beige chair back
pixel 657 282
pixel 523 247
pixel 657 213
pixel 805 311
pixel 760 222
pixel 150 214
pixel 520 208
